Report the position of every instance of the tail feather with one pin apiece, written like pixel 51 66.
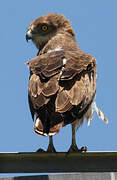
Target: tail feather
pixel 39 129
pixel 99 112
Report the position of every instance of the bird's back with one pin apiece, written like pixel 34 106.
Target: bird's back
pixel 62 85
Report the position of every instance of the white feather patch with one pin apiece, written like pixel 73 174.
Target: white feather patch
pixel 99 112
pixel 64 61
pixel 58 48
pixel 89 115
pixel 61 72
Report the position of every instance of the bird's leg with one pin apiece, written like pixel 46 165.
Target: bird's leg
pixel 51 147
pixel 73 147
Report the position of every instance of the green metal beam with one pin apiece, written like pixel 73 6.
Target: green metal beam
pixel 58 162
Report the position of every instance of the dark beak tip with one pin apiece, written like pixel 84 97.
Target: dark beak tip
pixel 27 38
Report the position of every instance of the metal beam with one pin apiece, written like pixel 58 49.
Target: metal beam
pixel 58 162
pixel 72 176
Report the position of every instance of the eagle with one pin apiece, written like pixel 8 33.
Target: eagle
pixel 62 83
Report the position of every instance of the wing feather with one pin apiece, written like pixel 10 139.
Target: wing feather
pixel 62 102
pixel 71 94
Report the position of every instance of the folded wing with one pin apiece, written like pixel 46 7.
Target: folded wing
pixel 62 86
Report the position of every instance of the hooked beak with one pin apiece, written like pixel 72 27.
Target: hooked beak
pixel 29 35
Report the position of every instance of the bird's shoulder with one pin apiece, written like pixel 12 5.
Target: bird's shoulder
pixel 51 63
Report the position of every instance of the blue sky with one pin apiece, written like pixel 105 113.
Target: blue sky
pixel 95 26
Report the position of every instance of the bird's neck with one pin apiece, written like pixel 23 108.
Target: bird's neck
pixel 62 41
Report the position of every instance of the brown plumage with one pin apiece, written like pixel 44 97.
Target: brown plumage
pixel 62 83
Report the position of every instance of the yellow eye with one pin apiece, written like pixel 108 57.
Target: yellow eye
pixel 44 28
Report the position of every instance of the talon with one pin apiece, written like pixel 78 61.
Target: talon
pixel 84 149
pixel 74 149
pixel 40 151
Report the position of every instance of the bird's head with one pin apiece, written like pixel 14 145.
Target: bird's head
pixel 42 29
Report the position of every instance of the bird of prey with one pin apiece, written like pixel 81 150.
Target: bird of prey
pixel 62 82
